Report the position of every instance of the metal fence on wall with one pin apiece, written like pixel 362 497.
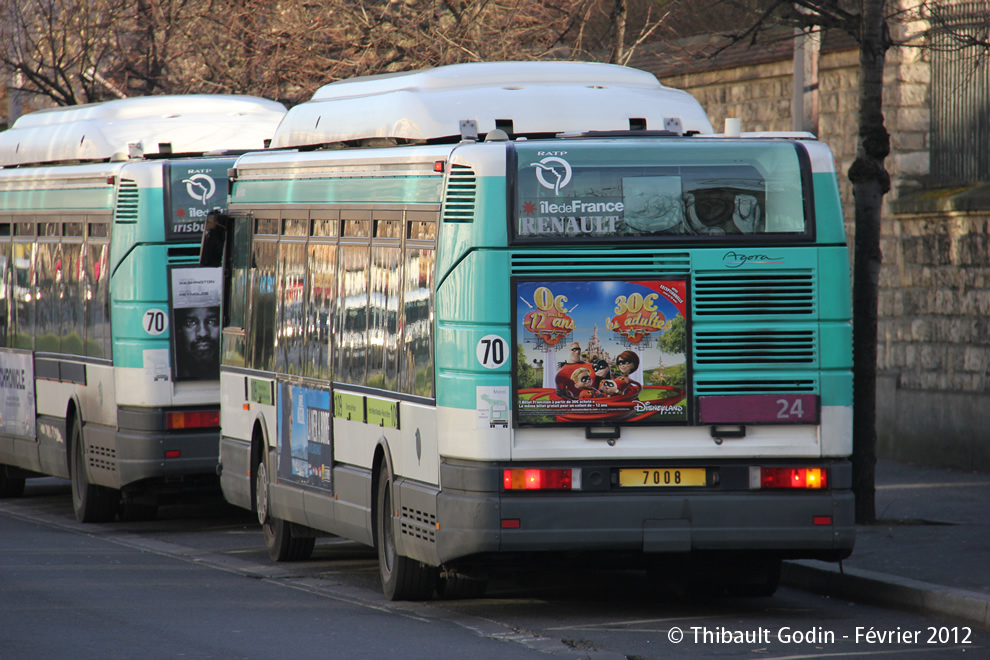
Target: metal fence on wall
pixel 960 93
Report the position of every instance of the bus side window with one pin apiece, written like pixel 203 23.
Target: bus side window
pixel 417 323
pixel 96 298
pixel 322 297
pixel 240 258
pixel 72 321
pixel 352 310
pixel 46 292
pixel 214 241
pixel 238 252
pixel 5 276
pixel 382 311
pixel 290 310
pixel 262 307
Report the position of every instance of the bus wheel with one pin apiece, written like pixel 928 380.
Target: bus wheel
pixel 91 503
pixel 10 486
pixel 759 578
pixel 458 587
pixel 402 578
pixel 131 511
pixel 281 544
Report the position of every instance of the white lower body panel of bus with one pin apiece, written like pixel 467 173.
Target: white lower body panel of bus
pixel 126 447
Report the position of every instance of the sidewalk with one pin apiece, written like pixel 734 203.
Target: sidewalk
pixel 929 551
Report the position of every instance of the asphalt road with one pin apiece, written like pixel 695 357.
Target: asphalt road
pixel 197 583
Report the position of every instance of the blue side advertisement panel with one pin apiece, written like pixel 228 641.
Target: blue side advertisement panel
pixel 305 452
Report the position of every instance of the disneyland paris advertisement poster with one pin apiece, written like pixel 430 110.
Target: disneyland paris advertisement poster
pixel 596 352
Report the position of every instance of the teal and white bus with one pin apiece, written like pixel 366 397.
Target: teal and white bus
pixel 537 310
pixel 102 209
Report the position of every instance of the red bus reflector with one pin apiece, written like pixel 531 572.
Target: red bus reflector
pixel 510 523
pixel 173 453
pixel 438 166
pixel 823 520
pixel 537 479
pixel 201 419
pixel 804 478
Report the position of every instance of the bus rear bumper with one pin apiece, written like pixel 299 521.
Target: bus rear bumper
pixel 168 455
pixel 791 525
pixel 165 457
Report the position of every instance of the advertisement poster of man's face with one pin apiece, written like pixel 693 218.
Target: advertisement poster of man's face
pixel 196 323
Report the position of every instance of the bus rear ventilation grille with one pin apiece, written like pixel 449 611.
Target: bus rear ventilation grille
pixel 755 294
pixel 462 189
pixel 126 208
pixel 754 386
pixel 581 263
pixel 756 347
pixel 418 524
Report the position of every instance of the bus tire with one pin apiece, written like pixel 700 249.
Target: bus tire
pixel 281 543
pixel 458 587
pixel 131 511
pixel 91 503
pixel 402 578
pixel 760 579
pixel 10 486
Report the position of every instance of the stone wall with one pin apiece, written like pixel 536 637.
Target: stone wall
pixel 934 330
pixel 933 394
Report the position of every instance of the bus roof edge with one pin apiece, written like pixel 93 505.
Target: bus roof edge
pixel 531 97
pixel 181 124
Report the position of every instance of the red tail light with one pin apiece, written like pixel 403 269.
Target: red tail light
pixel 200 419
pixel 538 479
pixel 803 478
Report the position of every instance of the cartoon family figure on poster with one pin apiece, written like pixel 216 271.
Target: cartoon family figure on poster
pixel 601 351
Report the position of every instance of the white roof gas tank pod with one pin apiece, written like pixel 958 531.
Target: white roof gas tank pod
pixel 527 98
pixel 134 127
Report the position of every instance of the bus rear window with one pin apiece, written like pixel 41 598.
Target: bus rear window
pixel 193 189
pixel 663 188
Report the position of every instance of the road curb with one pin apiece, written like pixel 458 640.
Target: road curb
pixel 888 590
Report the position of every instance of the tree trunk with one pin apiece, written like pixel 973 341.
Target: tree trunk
pixel 870 182
pixel 621 17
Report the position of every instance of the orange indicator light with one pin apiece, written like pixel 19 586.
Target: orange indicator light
pixel 804 478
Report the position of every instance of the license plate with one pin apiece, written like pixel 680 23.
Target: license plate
pixel 662 477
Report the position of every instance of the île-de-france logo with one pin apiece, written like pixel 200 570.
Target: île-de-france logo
pixel 553 173
pixel 200 187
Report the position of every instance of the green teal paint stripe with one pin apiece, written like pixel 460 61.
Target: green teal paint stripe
pixel 828 209
pixel 836 388
pixel 384 190
pixel 57 200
